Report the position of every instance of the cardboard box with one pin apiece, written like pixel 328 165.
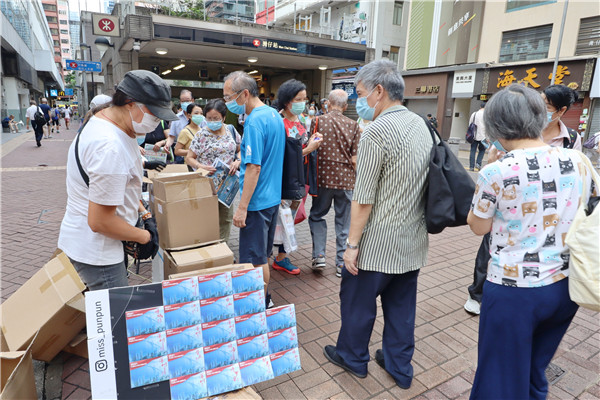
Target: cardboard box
pixel 214 270
pixel 50 302
pixel 17 380
pixel 197 258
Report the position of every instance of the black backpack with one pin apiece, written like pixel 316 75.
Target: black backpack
pixel 39 118
pixel 569 142
pixel 292 185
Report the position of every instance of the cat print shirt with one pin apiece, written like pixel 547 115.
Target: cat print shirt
pixel 533 195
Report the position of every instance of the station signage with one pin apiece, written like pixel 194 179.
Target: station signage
pixel 105 25
pixel 271 44
pixel 88 66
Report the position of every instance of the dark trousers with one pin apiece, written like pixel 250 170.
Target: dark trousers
pixel 358 296
pixel 480 272
pixel 38 130
pixel 519 332
pixel 474 147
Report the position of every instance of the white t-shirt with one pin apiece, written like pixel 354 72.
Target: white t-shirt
pixel 112 161
pixel 533 195
pixel 30 113
pixel 477 119
pixel 67 113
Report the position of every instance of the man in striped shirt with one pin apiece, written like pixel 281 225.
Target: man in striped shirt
pixel 387 243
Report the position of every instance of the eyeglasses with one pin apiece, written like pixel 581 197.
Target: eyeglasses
pixel 230 97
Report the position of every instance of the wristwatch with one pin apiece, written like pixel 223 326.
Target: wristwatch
pixel 349 246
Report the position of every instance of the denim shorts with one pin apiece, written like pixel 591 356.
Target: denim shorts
pixel 256 238
pixel 98 277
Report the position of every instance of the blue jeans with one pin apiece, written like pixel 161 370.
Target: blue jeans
pixel 98 277
pixel 342 200
pixel 474 146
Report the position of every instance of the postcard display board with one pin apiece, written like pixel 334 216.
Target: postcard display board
pixel 187 338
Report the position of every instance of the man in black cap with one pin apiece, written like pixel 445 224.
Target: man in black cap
pixel 104 182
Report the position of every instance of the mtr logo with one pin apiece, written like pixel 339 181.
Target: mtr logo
pixel 256 42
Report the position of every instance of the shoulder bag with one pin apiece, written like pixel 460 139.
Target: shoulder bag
pixel 471 130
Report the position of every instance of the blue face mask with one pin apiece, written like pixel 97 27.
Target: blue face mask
pixel 298 108
pixel 198 119
pixel 499 146
pixel 185 105
pixel 311 112
pixel 549 114
pixel 236 108
pixel 214 125
pixel 363 109
pixel 140 139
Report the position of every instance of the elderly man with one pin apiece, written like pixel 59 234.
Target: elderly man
pixel 185 98
pixel 261 170
pixel 335 180
pixel 387 242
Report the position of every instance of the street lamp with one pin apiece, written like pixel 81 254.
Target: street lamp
pixel 85 46
pixel 102 43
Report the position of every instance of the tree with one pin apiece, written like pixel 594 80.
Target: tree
pixel 70 80
pixel 193 9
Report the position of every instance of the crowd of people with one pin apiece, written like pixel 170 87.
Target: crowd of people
pixel 375 173
pixel 44 119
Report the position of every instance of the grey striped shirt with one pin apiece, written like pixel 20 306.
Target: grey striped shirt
pixel 392 167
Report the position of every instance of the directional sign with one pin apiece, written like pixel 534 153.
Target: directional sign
pixel 88 66
pixel 53 92
pixel 68 92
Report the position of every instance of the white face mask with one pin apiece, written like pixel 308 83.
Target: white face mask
pixel 148 124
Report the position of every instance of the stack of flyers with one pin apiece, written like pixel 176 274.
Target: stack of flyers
pixel 283 339
pixel 186 362
pixel 143 347
pixel 218 332
pixel 147 320
pixel 253 347
pixel 249 302
pixel 256 370
pixel 182 314
pixel 149 371
pixel 224 379
pixel 189 387
pixel 247 280
pixel 218 308
pixel 215 285
pixel 285 361
pixel 180 290
pixel 185 338
pixel 219 355
pixel 281 317
pixel 227 185
pixel 250 325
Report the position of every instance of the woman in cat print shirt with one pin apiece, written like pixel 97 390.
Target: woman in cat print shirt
pixel 526 201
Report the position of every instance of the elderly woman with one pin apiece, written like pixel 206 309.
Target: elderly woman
pixel 526 200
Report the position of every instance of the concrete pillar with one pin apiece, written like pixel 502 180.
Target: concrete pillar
pixel 121 65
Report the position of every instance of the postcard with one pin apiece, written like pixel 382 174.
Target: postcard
pixel 144 321
pixel 180 290
pixel 143 347
pixel 249 302
pixel 281 317
pixel 182 314
pixel 283 339
pixel 189 387
pixel 186 362
pixel 219 355
pixel 285 361
pixel 145 372
pixel 250 325
pixel 247 280
pixel 217 308
pixel 223 379
pixel 184 338
pixel 215 332
pixel 256 370
pixel 253 347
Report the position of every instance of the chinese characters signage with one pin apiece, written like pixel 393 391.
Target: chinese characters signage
pixel 427 89
pixel 276 45
pixel 463 84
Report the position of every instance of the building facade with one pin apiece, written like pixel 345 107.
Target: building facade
pixel 240 10
pixel 64 32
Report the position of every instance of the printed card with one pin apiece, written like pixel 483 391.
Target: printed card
pixel 249 302
pixel 215 332
pixel 250 325
pixel 184 338
pixel 224 379
pixel 144 321
pixel 180 290
pixel 189 387
pixel 256 370
pixel 253 347
pixel 215 285
pixel 219 355
pixel 283 339
pixel 186 362
pixel 182 314
pixel 143 347
pixel 215 309
pixel 285 361
pixel 247 280
pixel 145 372
pixel 281 317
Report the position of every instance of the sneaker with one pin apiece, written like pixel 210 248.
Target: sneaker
pixel 49 137
pixel 331 354
pixel 318 263
pixel 271 304
pixel 286 265
pixel 338 271
pixel 472 306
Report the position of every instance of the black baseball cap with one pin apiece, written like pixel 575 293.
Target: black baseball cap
pixel 151 90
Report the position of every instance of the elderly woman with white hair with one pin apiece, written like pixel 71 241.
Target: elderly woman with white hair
pixel 527 201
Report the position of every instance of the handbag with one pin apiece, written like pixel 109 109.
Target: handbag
pixel 582 239
pixel 450 190
pixel 471 130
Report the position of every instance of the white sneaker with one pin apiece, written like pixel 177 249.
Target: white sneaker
pixel 472 306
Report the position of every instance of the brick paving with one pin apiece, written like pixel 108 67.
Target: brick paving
pixel 33 199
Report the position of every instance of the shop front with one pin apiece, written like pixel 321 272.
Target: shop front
pixel 427 94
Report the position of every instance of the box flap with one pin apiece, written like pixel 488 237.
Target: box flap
pixel 17 379
pixel 192 256
pixel 192 246
pixel 169 169
pixel 181 187
pixel 213 270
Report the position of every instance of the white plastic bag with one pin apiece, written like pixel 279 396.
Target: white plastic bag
pixel 284 232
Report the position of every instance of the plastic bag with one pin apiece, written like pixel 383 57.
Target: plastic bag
pixel 284 232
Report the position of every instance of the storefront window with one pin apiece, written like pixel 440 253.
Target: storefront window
pixel 514 5
pixel 16 13
pixel 526 44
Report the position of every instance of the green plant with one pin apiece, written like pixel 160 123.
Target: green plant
pixel 70 80
pixel 192 9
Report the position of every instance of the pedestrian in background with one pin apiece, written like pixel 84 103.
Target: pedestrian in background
pixel 55 119
pixel 526 309
pixel 46 111
pixel 37 126
pixel 478 142
pixel 336 165
pixel 558 99
pixel 186 135
pixel 185 98
pixel 387 243
pixel 68 113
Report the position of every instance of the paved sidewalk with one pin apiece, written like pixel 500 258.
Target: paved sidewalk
pixel 33 203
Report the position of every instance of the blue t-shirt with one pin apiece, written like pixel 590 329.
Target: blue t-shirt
pixel 264 144
pixel 46 110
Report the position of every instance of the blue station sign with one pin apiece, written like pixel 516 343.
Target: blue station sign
pixel 87 66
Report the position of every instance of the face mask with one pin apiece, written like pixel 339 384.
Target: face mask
pixel 198 119
pixel 499 146
pixel 311 112
pixel 214 125
pixel 140 139
pixel 185 105
pixel 148 124
pixel 326 106
pixel 298 108
pixel 236 108
pixel 363 110
pixel 550 114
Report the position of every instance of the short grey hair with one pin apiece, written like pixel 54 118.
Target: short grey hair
pixel 338 98
pixel 384 73
pixel 186 91
pixel 240 81
pixel 516 112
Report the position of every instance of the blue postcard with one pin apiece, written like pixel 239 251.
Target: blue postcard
pixel 215 332
pixel 189 387
pixel 144 321
pixel 182 314
pixel 215 285
pixel 145 372
pixel 143 347
pixel 253 347
pixel 250 325
pixel 186 362
pixel 256 370
pixel 285 361
pixel 247 280
pixel 219 355
pixel 216 309
pixel 283 339
pixel 281 317
pixel 184 338
pixel 249 302
pixel 224 379
pixel 180 290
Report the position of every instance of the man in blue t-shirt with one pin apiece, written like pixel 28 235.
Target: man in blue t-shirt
pixel 262 151
pixel 46 110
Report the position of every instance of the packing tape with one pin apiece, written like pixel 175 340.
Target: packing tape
pixel 66 272
pixel 49 342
